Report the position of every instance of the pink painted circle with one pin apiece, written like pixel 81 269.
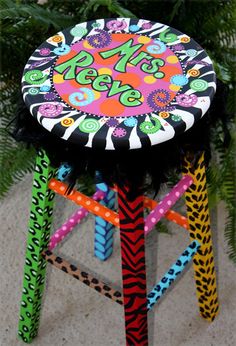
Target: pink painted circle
pixel 118 79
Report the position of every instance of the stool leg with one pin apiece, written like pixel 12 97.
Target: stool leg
pixel 133 268
pixel 199 224
pixel 38 238
pixel 103 238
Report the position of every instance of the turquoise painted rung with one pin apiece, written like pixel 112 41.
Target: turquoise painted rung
pixel 170 276
pixel 63 171
pixel 103 238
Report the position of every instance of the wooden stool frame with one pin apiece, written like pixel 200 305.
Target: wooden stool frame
pixel 133 228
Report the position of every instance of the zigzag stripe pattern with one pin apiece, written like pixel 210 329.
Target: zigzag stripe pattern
pixel 133 268
pixel 103 240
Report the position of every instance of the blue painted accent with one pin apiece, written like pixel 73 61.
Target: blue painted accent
pixel 104 247
pixel 172 273
pixel 99 247
pixel 63 171
pixel 100 221
pixel 103 238
pixel 103 256
pixel 103 187
pixel 99 238
pixel 100 230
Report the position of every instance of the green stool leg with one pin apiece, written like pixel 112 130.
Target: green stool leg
pixel 38 238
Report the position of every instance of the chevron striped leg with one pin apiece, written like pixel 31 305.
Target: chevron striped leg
pixel 133 268
pixel 199 226
pixel 38 238
pixel 103 239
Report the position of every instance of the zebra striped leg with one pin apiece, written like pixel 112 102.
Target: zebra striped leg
pixel 38 238
pixel 133 268
pixel 103 238
pixel 199 226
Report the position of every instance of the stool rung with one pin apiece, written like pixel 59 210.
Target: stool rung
pixel 82 276
pixel 170 276
pixel 86 202
pixel 165 204
pixel 72 221
pixel 171 215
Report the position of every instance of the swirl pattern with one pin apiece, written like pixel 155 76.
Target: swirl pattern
pixel 185 39
pixel 35 77
pixel 56 38
pixel 158 48
pixel 116 25
pixel 50 110
pixel 199 85
pixel 33 91
pixel 118 119
pixel 185 100
pixel 89 125
pixel 100 40
pixel 191 52
pixel 193 72
pixel 83 97
pixel 78 31
pixel 164 115
pixel 149 128
pixel 67 122
pixel 158 99
pixel 166 36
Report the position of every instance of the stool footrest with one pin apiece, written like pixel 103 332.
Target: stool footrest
pixel 86 202
pixel 171 275
pixel 72 221
pixel 167 202
pixel 171 215
pixel 83 276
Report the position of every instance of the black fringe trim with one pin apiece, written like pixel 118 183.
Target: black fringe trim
pixel 126 167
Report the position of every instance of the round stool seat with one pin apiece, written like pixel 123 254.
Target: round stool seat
pixel 118 83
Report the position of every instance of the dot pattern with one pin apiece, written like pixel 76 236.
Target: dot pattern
pixel 168 201
pixel 186 67
pixel 85 202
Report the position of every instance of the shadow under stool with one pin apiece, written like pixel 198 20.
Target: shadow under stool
pixel 132 87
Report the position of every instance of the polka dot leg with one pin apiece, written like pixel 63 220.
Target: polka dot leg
pixel 103 239
pixel 38 238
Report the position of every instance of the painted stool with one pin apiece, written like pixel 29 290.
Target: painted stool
pixel 118 84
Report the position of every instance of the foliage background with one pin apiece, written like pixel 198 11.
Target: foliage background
pixel 25 24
